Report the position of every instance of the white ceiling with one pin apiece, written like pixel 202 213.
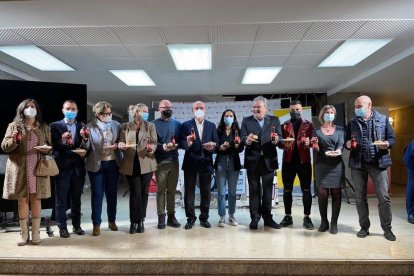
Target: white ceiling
pixel 94 36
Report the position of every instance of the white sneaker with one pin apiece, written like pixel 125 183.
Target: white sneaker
pixel 222 221
pixel 233 221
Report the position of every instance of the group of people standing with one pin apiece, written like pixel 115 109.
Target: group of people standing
pixel 105 149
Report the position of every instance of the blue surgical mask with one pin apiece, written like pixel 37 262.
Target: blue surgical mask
pixel 199 113
pixel 144 116
pixel 360 112
pixel 328 117
pixel 70 115
pixel 228 121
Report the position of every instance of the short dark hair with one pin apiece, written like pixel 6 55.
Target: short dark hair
pixel 295 102
pixel 69 101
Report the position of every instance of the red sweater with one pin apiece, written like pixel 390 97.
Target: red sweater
pixel 307 128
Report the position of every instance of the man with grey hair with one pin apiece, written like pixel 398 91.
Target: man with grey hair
pixel 370 157
pixel 260 133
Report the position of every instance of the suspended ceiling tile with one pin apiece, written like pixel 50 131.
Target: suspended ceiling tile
pixel 315 47
pixel 109 51
pixel 273 48
pixel 233 33
pixel 186 34
pixel 230 62
pixel 114 63
pixel 267 61
pixel 282 31
pixel 9 37
pixel 46 36
pixel 92 35
pixel 67 51
pixel 149 51
pixel 304 61
pixel 139 35
pixel 232 50
pixel 383 29
pixel 337 30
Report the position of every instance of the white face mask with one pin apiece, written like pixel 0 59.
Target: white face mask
pixel 199 113
pixel 30 112
pixel 106 119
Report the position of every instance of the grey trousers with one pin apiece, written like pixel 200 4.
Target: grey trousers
pixel 380 180
pixel 167 178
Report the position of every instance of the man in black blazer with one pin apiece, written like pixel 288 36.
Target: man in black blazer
pixel 260 161
pixel 71 178
pixel 199 140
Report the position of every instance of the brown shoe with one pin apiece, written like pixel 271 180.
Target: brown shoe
pixel 96 230
pixel 112 226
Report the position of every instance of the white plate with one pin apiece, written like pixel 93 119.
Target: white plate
pixel 287 140
pixel 379 143
pixel 130 145
pixel 332 153
pixel 110 147
pixel 79 151
pixel 46 147
pixel 172 146
pixel 209 143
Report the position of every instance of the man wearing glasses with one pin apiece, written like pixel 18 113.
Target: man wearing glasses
pixel 168 136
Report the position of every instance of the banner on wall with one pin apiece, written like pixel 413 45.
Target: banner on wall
pixel 284 115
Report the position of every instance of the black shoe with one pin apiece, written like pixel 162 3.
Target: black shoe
pixel 64 233
pixel 410 218
pixel 172 221
pixel 324 226
pixel 133 229
pixel 161 221
pixel 286 221
pixel 253 224
pixel 271 223
pixel 389 235
pixel 189 224
pixel 307 223
pixel 334 228
pixel 140 227
pixel 205 224
pixel 78 230
pixel 363 233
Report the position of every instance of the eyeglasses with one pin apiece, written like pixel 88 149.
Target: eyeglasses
pixel 165 107
pixel 105 113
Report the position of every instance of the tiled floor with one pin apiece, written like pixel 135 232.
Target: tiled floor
pixel 229 242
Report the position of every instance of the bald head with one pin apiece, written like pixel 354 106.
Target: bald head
pixel 199 109
pixel 164 104
pixel 363 103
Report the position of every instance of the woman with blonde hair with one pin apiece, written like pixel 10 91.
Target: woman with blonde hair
pixel 23 135
pixel 138 140
pixel 102 164
pixel 328 142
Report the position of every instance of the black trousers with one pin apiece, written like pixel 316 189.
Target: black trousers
pixel 260 191
pixel 138 199
pixel 189 195
pixel 304 172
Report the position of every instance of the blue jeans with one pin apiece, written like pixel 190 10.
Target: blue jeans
pixel 225 173
pixel 106 181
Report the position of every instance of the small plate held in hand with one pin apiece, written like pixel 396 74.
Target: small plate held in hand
pixel 332 153
pixel 44 147
pixel 79 151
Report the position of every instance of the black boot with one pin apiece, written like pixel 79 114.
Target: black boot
pixel 161 221
pixel 140 228
pixel 133 228
pixel 172 221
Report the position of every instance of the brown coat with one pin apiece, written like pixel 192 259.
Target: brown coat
pixel 15 181
pixel 128 136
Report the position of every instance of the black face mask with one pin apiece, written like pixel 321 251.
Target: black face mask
pixel 295 115
pixel 167 113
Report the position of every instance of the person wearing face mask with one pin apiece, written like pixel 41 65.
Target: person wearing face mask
pixel 227 165
pixel 260 134
pixel 102 164
pixel 71 178
pixel 370 157
pixel 328 143
pixel 297 161
pixel 199 139
pixel 168 138
pixel 138 141
pixel 23 134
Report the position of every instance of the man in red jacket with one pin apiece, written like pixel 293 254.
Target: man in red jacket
pixel 296 161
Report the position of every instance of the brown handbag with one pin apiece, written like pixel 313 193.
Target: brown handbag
pixel 46 166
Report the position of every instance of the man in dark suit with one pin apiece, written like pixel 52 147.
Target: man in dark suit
pixel 199 140
pixel 65 138
pixel 260 133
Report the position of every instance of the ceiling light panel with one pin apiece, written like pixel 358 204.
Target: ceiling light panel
pixel 351 52
pixel 36 57
pixel 260 75
pixel 191 56
pixel 133 77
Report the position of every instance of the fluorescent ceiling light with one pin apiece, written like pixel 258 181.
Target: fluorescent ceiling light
pixel 260 75
pixel 191 56
pixel 351 52
pixel 133 77
pixel 36 57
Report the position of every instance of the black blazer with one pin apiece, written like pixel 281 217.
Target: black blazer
pixel 264 145
pixel 65 158
pixel 232 150
pixel 196 159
